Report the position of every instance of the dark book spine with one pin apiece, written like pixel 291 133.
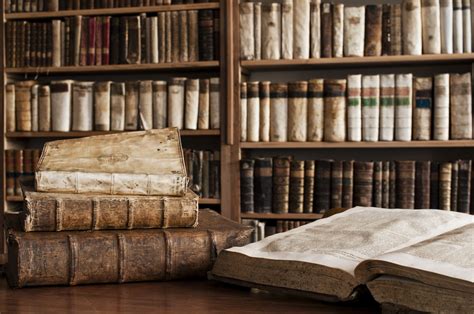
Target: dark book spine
pixel 326 30
pixel 106 40
pixel 216 35
pixel 84 40
pixel 263 185
pixel 373 30
pixel 322 186
pixel 197 159
pixel 347 183
pixel 214 180
pixel 454 185
pixel 19 170
pixel 134 40
pixel 363 183
pixel 392 201
pixel 123 40
pixel 206 35
pixel 115 40
pixel 92 41
pixel 336 184
pixel 434 185
pixel 377 189
pixel 405 184
pixel 296 186
pixel 205 174
pixel 386 30
pixel 464 186
pixel 423 185
pixel 281 184
pixel 308 186
pixel 10 171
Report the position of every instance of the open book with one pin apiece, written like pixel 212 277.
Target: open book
pixel 420 259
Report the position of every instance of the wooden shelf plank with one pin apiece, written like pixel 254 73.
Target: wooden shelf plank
pixel 281 216
pixel 121 68
pixel 357 145
pixel 113 11
pixel 209 201
pixel 385 61
pixel 91 133
pixel 15 198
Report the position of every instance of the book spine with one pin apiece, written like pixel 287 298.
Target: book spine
pixel 84 38
pixel 301 27
pixel 264 128
pixel 354 108
pixel 204 104
pixel 454 185
pixel 445 176
pixel 466 26
pixel 145 107
pixel 441 107
pixel 336 184
pixel 377 187
pixel 396 30
pixel 102 106
pixel 403 107
pixel 257 20
pixel 193 36
pixel 19 170
pixel 160 102
pixel 44 108
pixel 411 27
pixel 354 29
pixel 296 200
pixel 315 28
pixel 287 29
pixel 247 36
pixel 281 184
pixel 347 183
pixel 464 186
pixel 77 41
pixel 253 111
pixel 34 107
pixel 197 167
pixel 422 184
pixel 206 35
pixel 326 30
pixel 393 185
pixel 335 110
pixel 192 104
pixel 363 181
pixel 446 25
pixel 315 110
pixel 56 36
pixel 133 54
pixel 386 184
pixel 183 36
pixel 98 40
pixel 461 106
pixel 405 184
pixel 322 182
pixel 216 29
pixel 373 30
pixel 263 185
pixel 434 185
pixel 308 186
pixel 120 107
pixel 271 31
pixel 370 107
pixel 386 30
pixel 168 38
pixel 246 185
pixel 10 107
pixel 106 40
pixel 243 112
pixel 430 17
pixel 387 107
pixel 338 30
pixel 214 103
pixel 423 94
pixel 176 102
pixel 82 106
pixel 92 40
pixel 10 172
pixel 23 105
pixel 297 111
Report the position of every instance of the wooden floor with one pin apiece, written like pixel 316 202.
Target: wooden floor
pixel 188 297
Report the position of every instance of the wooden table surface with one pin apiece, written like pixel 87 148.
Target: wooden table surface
pixel 163 297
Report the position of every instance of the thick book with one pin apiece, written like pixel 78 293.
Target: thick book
pixel 278 112
pixel 82 106
pixel 281 184
pixel 243 111
pixel 160 104
pixel 403 256
pixel 119 110
pixel 44 108
pixel 347 183
pixel 61 105
pixel 411 27
pixel 191 106
pixel 315 110
pixel 315 28
pixel 403 107
pixel 335 110
pixel 287 29
pixel 446 25
pixel 73 258
pixel 176 96
pixel 354 31
pixel 363 183
pixel 264 127
pixel 247 41
pixel 206 35
pixel 136 163
pixel 461 106
pixel 297 111
pixel 387 107
pixel 445 177
pixel 430 18
pixel 405 184
pixel 263 185
pixel 386 30
pixel 373 30
pixel 23 105
pixel 145 107
pixel 396 29
pixel 464 186
pixel 386 184
pixel 102 106
pixel 257 30
pixel 271 31
pixel 253 111
pixel 337 184
pixel 309 166
pixel 297 176
pixel 326 30
pixel 354 108
pixel 338 30
pixel 301 27
pixel 441 107
pixel 322 186
pixel 247 168
pixel 132 99
pixel 204 104
pixel 10 121
pixel 214 103
pixel 434 185
pixel 422 111
pixel 422 184
pixel 370 107
pixel 457 27
pixel 377 184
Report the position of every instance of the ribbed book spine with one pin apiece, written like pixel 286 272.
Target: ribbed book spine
pixel 271 31
pixel 121 113
pixel 446 25
pixel 411 27
pixel 102 106
pixel 354 108
pixel 347 183
pixel 243 112
pixel 204 102
pixel 338 30
pixel 281 184
pixel 322 182
pixel 354 31
pixel 373 30
pixel 23 105
pixel 445 176
pixel 326 30
pixel 247 43
pixel 461 106
pixel 246 185
pixel 336 184
pixel 287 29
pixel 297 111
pixel 405 184
pixel 464 186
pixel 377 184
pixel 315 110
pixel 403 107
pixel 308 186
pixel 160 103
pixel 430 17
pixel 363 181
pixel 301 27
pixel 44 108
pixel 278 112
pixel 253 111
pixel 296 186
pixel 423 185
pixel 396 29
pixel 264 130
pixel 335 110
pixel 315 28
pixel 434 185
pixel 387 107
pixel 423 92
pixel 370 107
pixel 441 107
pixel 263 185
pixel 192 104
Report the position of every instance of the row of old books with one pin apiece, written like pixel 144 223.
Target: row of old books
pixel 302 29
pixel 176 36
pixel 85 217
pixel 17 6
pixel 203 169
pixel 263 229
pixel 68 105
pixel 369 108
pixel 283 184
pixel 20 163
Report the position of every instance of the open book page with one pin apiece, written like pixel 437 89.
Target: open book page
pixel 344 240
pixel 450 254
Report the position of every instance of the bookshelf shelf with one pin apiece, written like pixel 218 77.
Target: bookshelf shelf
pixel 382 61
pixel 202 201
pixel 118 68
pixel 281 216
pixel 358 145
pixel 14 198
pixel 91 133
pixel 112 11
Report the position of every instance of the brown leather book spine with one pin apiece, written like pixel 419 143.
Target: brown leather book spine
pixel 206 35
pixel 145 38
pixel 281 184
pixel 246 185
pixel 196 180
pixel 347 183
pixel 169 37
pixel 326 30
pixel 386 30
pixel 373 30
pixel 175 35
pixel 335 110
pixel 263 185
pixel 28 170
pixel 445 176
pixel 193 35
pixel 19 170
pixel 308 186
pixel 106 40
pixel 434 185
pixel 205 174
pixel 297 111
pixel 215 189
pixel 115 40
pixel 363 183
pixel 44 108
pixel 84 40
pixel 183 37
pixel 296 186
pixel 386 184
pixel 73 258
pixel 99 40
pixel 134 40
pixel 336 184
pixel 28 44
pixel 405 184
pixel 392 185
pixel 322 189
pixel 396 30
pixel 422 185
pixel 92 42
pixel 454 185
pixel 10 171
pixel 464 186
pixel 377 188
pixel 23 105
pixel 10 107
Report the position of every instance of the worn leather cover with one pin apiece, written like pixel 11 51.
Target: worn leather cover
pixel 335 110
pixel 278 112
pixel 423 94
pixel 422 184
pixel 322 182
pixel 263 184
pixel 246 185
pixel 73 258
pixel 347 183
pixel 377 184
pixel 297 171
pixel 138 163
pixel 336 184
pixel 315 110
pixel 102 106
pixel 297 111
pixel 373 30
pixel 363 181
pixel 82 106
pixel 445 176
pixel 405 184
pixel 308 186
pixel 464 186
pixel 281 184
pixel 461 106
pixel 264 127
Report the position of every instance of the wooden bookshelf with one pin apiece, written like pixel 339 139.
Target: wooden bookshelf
pixel 112 11
pixel 290 216
pixel 19 135
pixel 14 198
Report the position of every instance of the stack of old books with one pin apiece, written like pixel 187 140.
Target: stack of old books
pixel 91 192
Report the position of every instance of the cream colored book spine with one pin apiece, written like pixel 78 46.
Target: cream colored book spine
pixel 56 42
pixel 44 109
pixel 155 56
pixel 247 34
pixel 287 29
pixel 102 106
pixel 10 107
pixel 461 106
pixel 119 111
pixel 446 25
pixel 271 31
pixel 264 92
pixel 176 102
pixel 257 19
pixel 315 28
pixel 441 107
pixel 411 27
pixel 61 98
pixel 297 111
pixel 160 104
pixel 192 104
pixel 370 107
pixel 253 111
pixel 214 103
pixel 301 26
pixel 387 107
pixel 34 107
pixel 278 112
pixel 145 107
pixel 203 114
pixel 132 99
pixel 315 110
pixel 457 27
pixel 335 110
pixel 354 31
pixel 423 97
pixel 243 112
pixel 430 17
pixel 466 26
pixel 403 107
pixel 354 108
pixel 338 30
pixel 82 106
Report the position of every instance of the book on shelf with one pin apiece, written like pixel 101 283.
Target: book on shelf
pixel 399 256
pixel 203 168
pixel 20 163
pixel 263 229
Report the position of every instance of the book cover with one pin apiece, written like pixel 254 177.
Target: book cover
pixel 373 30
pixel 297 111
pixel 335 110
pixel 271 31
pixel 370 107
pixel 315 110
pixel 309 168
pixel 354 31
pixel 281 184
pixel 263 185
pixel 405 184
pixel 119 109
pixel 297 176
pixel 423 94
